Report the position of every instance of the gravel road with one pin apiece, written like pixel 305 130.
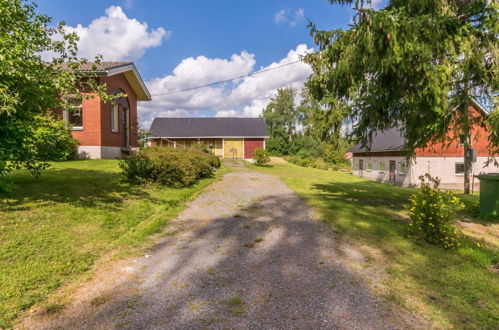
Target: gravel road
pixel 246 254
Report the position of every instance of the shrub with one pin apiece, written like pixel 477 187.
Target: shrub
pixel 52 140
pixel 261 157
pixel 167 166
pixel 433 213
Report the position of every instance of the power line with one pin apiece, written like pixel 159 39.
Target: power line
pixel 227 80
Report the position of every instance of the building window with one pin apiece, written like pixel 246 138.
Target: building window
pixel 74 115
pixel 114 118
pixel 369 165
pixel 459 168
pixel 382 166
pixel 402 168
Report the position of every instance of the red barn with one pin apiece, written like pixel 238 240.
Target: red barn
pixel 384 161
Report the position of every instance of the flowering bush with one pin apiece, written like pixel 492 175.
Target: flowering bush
pixel 433 212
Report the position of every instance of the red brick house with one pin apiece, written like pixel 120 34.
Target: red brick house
pixel 105 129
pixel 230 138
pixel 385 162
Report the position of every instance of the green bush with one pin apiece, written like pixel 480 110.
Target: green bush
pixel 167 166
pixel 433 213
pixel 261 157
pixel 52 140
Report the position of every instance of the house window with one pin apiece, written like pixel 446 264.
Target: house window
pixel 459 168
pixel 114 118
pixel 402 168
pixel 74 115
pixel 211 144
pixel 382 166
pixel 369 165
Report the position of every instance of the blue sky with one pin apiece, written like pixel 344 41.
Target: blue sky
pixel 181 44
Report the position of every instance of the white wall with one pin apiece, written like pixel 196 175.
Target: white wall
pixel 99 152
pixel 441 167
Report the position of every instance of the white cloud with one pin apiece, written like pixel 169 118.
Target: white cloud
pixel 289 17
pixel 280 16
pixel 117 37
pixel 244 97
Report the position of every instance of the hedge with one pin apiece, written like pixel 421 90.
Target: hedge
pixel 167 166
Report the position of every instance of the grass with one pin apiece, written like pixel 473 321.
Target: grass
pixel 236 306
pixel 56 226
pixel 452 288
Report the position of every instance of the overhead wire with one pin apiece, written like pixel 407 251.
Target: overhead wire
pixel 226 80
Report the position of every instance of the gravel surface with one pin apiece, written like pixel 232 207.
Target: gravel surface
pixel 246 254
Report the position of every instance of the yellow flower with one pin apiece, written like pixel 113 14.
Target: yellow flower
pixel 478 245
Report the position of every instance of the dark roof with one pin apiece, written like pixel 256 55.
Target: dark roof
pixel 389 140
pixel 208 127
pixel 101 67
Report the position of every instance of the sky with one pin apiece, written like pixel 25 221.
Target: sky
pixel 179 44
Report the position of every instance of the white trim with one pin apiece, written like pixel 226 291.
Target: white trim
pixel 76 128
pixel 130 67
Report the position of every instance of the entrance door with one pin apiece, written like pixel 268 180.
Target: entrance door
pixel 126 127
pixel 361 167
pixel 392 171
pixel 233 148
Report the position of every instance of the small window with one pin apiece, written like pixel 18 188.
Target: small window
pixel 211 144
pixel 74 115
pixel 114 118
pixel 459 168
pixel 370 165
pixel 382 166
pixel 402 167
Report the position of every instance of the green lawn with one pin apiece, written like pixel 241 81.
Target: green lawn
pixel 451 288
pixel 54 227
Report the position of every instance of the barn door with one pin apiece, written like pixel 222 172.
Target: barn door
pixel 361 167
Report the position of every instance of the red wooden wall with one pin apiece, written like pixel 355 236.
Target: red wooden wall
pixel 250 145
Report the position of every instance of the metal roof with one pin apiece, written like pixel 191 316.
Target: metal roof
pixel 200 127
pixel 389 140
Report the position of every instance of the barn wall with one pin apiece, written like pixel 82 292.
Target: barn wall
pixel 250 145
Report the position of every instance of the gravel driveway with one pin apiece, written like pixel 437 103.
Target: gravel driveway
pixel 246 254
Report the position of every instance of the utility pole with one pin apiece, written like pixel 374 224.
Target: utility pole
pixel 467 149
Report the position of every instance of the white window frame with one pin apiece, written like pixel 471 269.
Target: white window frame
pixel 65 117
pixel 115 118
pixel 370 168
pixel 402 171
pixel 379 166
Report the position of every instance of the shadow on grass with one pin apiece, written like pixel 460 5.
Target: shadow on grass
pixel 457 283
pixel 81 187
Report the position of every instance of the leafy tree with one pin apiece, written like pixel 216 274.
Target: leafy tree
pixel 143 135
pixel 416 65
pixel 31 87
pixel 281 114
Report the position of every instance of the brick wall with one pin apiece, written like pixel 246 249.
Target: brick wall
pixel 90 135
pixel 110 138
